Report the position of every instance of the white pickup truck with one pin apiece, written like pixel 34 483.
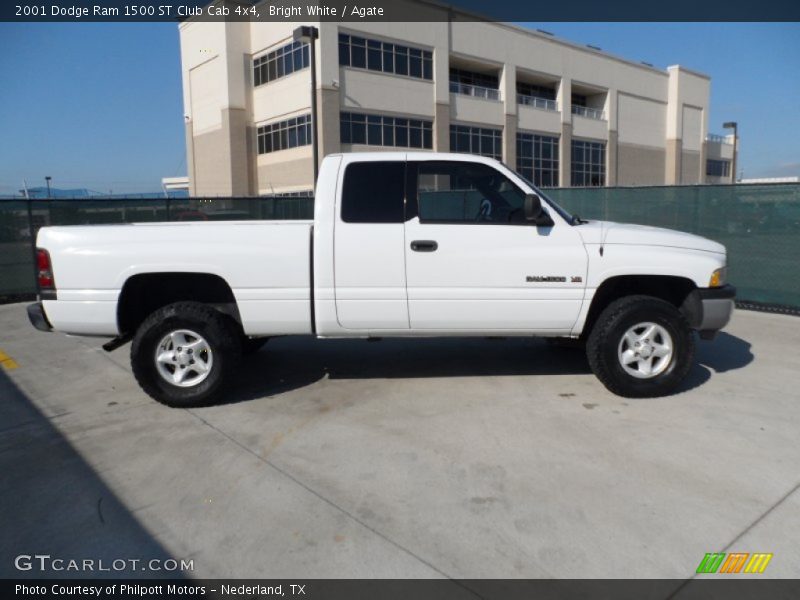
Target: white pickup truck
pixel 402 244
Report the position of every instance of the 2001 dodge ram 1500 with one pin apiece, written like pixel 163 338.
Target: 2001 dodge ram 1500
pixel 402 244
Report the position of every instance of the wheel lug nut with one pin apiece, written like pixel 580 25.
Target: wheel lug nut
pixel 179 348
pixel 189 350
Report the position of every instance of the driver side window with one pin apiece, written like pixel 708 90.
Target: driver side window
pixel 464 192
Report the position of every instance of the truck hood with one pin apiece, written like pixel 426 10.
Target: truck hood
pixel 608 232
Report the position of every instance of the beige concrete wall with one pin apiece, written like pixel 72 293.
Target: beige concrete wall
pixel 535 119
pixel 190 164
pixel 612 156
pixel 252 157
pixel 692 133
pixel 672 169
pixel 719 151
pixel 441 128
pixel 219 157
pixel 210 174
pixel 466 109
pixel 691 169
pixel 510 141
pixel 594 129
pixel 370 91
pixel 285 171
pixel 565 155
pixel 328 127
pixel 641 121
pixel 282 97
pixel 236 119
pixel 206 98
pixel 640 165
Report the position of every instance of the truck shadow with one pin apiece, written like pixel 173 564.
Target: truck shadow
pixel 724 353
pixel 57 504
pixel 289 363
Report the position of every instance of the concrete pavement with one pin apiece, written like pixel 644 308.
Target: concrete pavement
pixel 417 458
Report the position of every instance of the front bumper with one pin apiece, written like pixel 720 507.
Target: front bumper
pixel 38 318
pixel 709 309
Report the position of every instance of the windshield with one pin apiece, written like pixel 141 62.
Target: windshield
pixel 569 218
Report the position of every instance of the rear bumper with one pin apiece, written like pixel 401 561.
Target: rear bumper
pixel 709 309
pixel 38 318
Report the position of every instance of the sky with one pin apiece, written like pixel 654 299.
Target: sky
pixel 99 106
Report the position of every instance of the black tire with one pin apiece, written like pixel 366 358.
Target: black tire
pixel 603 346
pixel 217 330
pixel 252 345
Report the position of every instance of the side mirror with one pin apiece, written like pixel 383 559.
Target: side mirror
pixel 535 213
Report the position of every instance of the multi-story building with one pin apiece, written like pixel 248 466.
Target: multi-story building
pixel 561 113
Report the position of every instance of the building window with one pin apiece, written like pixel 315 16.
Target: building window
pixel 537 159
pixel 535 91
pixel 279 63
pixel 578 100
pixel 375 55
pixel 470 83
pixel 284 134
pixel 588 163
pixel 476 140
pixel 718 168
pixel 379 130
pixel 473 78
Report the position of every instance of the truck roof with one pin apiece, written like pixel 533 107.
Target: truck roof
pixel 415 155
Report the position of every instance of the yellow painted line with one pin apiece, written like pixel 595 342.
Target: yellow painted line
pixel 7 362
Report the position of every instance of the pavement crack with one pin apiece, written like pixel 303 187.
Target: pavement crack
pixel 763 516
pixel 741 534
pixel 333 504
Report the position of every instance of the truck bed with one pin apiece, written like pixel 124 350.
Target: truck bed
pixel 266 264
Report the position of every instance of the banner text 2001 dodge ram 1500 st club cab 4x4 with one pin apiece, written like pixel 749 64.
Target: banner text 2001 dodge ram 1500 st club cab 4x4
pixel 402 244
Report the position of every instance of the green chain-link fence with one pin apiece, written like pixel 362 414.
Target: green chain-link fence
pixel 759 224
pixel 20 220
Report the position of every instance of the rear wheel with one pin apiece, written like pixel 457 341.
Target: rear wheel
pixel 184 353
pixel 641 347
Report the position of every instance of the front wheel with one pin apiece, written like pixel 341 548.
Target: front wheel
pixel 640 347
pixel 184 353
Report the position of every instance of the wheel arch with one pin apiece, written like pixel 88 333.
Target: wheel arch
pixel 674 289
pixel 144 293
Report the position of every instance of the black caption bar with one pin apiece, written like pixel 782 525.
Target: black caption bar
pixel 385 589
pixel 397 10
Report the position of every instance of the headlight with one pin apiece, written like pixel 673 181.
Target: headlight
pixel 718 277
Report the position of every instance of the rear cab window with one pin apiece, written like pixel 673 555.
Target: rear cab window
pixel 374 192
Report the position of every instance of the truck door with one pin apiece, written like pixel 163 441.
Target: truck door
pixel 369 242
pixel 474 263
